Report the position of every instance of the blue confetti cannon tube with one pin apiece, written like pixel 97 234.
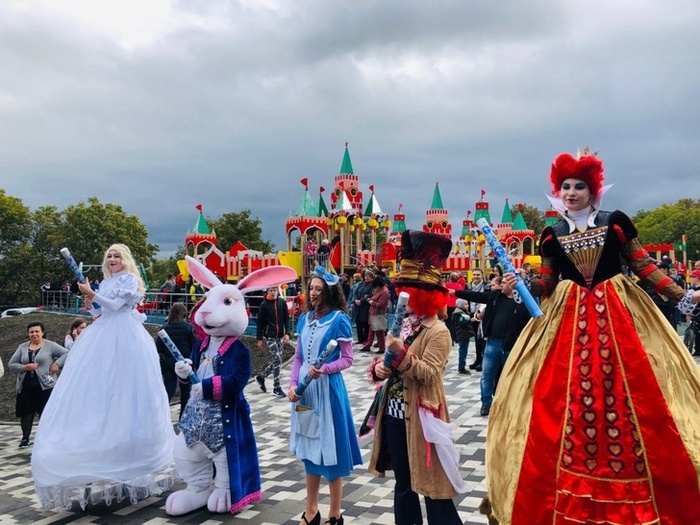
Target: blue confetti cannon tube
pixel 399 314
pixel 175 351
pixel 73 265
pixel 505 261
pixel 323 356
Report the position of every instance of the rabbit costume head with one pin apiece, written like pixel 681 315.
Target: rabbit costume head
pixel 223 312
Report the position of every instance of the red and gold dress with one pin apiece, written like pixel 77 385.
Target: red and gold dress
pixel 597 414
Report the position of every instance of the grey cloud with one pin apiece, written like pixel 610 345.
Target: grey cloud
pixel 232 115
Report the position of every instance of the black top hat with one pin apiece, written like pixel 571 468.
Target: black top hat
pixel 422 257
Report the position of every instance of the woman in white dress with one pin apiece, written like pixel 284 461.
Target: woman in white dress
pixel 106 432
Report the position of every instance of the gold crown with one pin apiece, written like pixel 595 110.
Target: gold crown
pixel 585 153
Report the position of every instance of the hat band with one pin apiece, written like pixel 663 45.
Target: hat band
pixel 414 271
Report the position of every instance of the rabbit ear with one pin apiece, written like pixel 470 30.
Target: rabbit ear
pixel 201 273
pixel 267 277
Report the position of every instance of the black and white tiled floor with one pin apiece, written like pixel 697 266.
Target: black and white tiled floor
pixel 366 499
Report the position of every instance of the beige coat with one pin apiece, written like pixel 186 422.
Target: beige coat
pixel 423 370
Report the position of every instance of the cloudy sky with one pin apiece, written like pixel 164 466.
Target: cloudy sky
pixel 162 105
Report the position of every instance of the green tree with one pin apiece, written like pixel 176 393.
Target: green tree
pixel 533 216
pixel 14 222
pixel 160 269
pixel 91 227
pixel 45 235
pixel 239 226
pixel 15 249
pixel 669 222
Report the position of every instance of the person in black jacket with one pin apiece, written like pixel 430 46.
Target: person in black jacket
pixel 503 320
pixel 666 306
pixel 273 327
pixel 694 318
pixel 182 333
pixel 360 299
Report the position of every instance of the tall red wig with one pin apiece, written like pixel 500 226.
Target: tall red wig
pixel 425 302
pixel 587 168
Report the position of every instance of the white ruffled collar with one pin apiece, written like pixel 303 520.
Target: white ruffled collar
pixel 323 321
pixel 577 217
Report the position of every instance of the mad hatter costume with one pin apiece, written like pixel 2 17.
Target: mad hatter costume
pixel 413 433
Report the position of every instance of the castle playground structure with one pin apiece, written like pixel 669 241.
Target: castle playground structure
pixel 360 235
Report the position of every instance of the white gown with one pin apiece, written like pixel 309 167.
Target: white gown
pixel 106 432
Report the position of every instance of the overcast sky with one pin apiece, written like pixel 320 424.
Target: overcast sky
pixel 161 105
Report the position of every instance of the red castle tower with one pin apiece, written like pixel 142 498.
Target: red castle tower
pixel 436 218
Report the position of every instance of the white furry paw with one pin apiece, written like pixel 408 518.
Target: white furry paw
pixel 220 501
pixel 183 369
pixel 184 501
pixel 196 392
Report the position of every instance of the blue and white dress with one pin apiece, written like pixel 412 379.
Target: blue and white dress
pixel 324 436
pixel 106 432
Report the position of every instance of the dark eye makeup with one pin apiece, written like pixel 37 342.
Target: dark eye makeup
pixel 578 186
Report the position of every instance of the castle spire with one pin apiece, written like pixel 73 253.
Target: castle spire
pixel 437 199
pixel 346 166
pixel 201 226
pixel 322 210
pixel 507 217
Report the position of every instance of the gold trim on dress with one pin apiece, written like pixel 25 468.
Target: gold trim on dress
pixel 585 249
pixel 606 522
pixel 567 412
pixel 623 374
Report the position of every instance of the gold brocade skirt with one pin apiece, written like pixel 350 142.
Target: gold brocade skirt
pixel 597 415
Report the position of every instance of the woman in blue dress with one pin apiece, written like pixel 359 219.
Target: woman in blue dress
pixel 323 433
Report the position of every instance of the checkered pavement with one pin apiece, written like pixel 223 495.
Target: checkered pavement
pixel 366 499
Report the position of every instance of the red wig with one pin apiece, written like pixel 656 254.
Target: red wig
pixel 587 168
pixel 425 302
pixel 199 332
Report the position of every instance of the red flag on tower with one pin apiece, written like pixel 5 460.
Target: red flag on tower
pixel 483 192
pixel 321 189
pixel 371 188
pixel 305 183
pixel 199 207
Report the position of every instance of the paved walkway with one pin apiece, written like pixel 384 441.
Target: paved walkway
pixel 367 500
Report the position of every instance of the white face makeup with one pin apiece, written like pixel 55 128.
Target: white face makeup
pixel 114 261
pixel 575 194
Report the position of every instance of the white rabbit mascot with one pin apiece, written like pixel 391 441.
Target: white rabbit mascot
pixel 215 428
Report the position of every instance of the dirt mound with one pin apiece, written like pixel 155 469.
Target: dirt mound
pixel 13 332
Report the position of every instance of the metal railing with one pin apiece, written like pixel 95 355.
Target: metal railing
pixel 155 305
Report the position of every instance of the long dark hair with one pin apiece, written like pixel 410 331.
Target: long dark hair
pixel 177 314
pixel 75 324
pixel 331 296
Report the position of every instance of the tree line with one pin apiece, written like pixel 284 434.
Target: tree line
pixel 30 240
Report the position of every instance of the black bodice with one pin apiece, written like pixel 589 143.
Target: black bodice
pixel 591 257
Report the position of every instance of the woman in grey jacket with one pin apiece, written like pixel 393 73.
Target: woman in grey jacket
pixel 36 364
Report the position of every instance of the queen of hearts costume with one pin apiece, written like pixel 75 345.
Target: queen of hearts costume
pixel 597 413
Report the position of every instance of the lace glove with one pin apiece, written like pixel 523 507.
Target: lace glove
pixel 686 305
